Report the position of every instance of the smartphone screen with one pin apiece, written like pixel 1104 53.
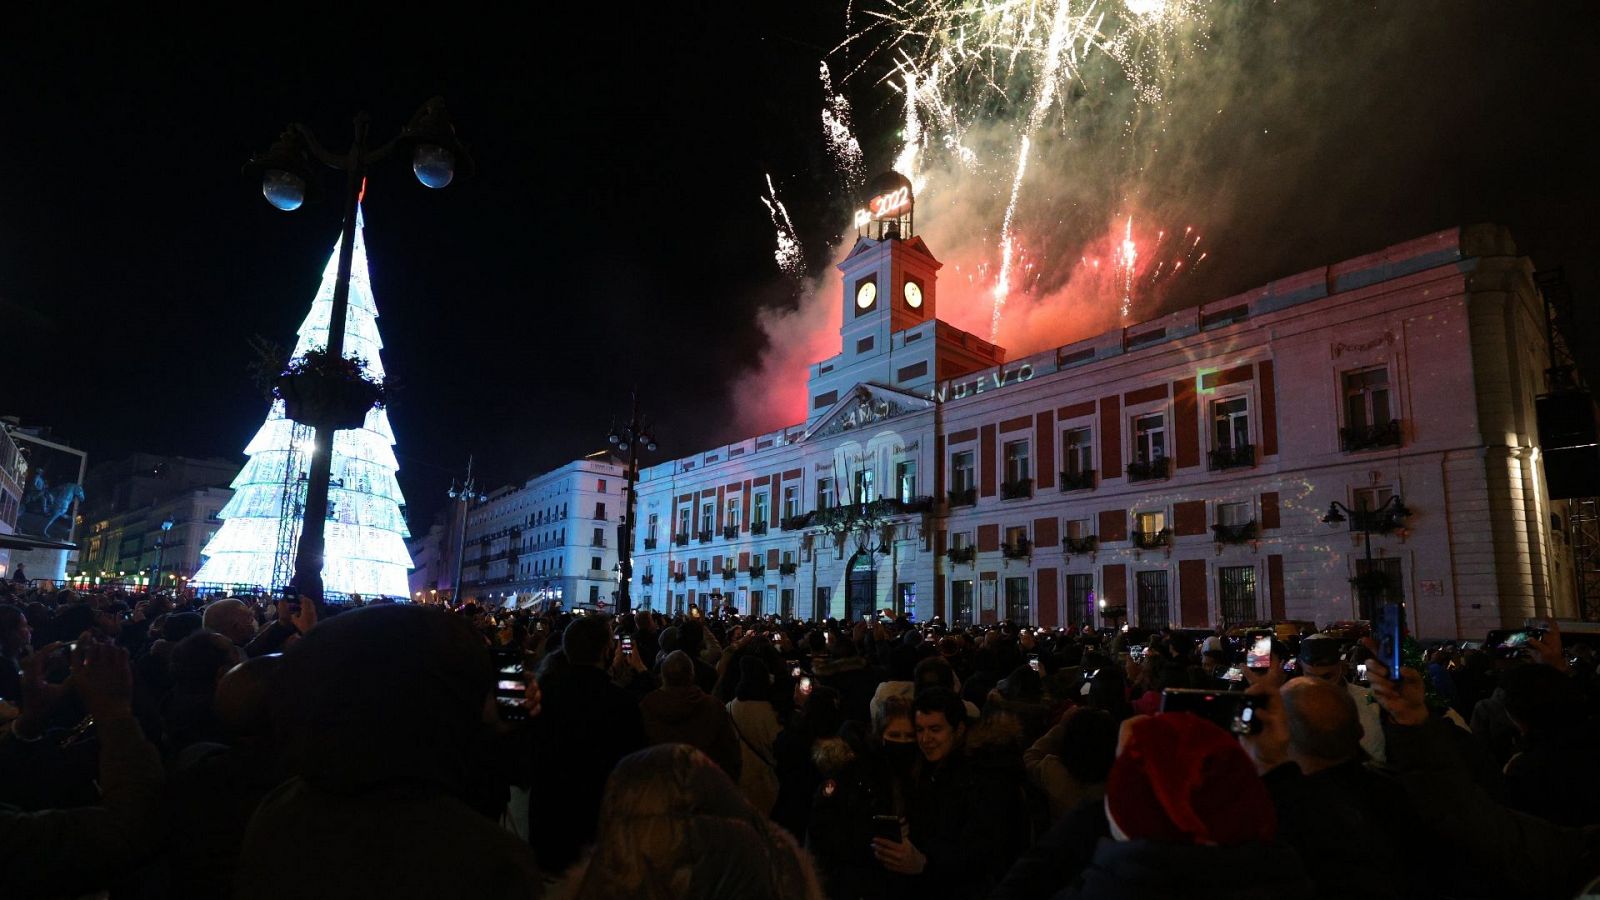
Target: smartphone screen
pixel 805 684
pixel 1259 654
pixel 1033 661
pixel 509 685
pixel 795 672
pixel 1361 673
pixel 1234 673
pixel 627 646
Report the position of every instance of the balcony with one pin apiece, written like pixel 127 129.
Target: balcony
pixel 647 580
pixel 1241 456
pixel 730 533
pixel 758 528
pixel 795 523
pixel 704 536
pixel 1151 540
pixel 963 497
pixel 703 575
pixel 598 543
pixel 679 577
pixel 1020 489
pixel 1160 467
pixel 958 555
pixel 649 543
pixel 680 540
pixel 1021 548
pixel 788 568
pixel 912 505
pixel 729 573
pixel 1082 480
pixel 1236 534
pixel 758 570
pixel 1370 437
pixel 1087 544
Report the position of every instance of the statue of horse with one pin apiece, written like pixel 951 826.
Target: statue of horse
pixel 58 500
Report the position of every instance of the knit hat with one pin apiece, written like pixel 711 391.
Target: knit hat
pixel 1179 779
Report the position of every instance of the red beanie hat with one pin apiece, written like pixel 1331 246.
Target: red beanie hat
pixel 1183 780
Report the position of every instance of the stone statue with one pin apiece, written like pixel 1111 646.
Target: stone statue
pixel 58 500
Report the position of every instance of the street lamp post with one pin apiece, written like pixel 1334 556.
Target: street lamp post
pixel 286 180
pixel 161 551
pixel 1382 519
pixel 463 495
pixel 629 438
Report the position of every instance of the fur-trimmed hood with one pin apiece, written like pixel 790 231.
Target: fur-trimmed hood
pixel 832 756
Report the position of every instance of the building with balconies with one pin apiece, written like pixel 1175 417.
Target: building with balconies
pixel 551 539
pixel 1172 472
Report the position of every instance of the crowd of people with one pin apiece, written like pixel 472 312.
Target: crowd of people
pixel 173 746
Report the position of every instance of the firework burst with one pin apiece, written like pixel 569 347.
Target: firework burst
pixel 789 254
pixel 986 84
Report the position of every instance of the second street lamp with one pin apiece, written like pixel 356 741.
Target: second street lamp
pixel 629 439
pixel 287 181
pixel 1382 520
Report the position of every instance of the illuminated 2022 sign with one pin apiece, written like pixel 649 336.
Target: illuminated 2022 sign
pixel 884 206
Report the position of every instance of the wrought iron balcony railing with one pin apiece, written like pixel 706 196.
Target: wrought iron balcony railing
pixel 1150 540
pixel 1370 437
pixel 1239 456
pixel 758 528
pixel 1236 534
pixel 966 555
pixel 1081 480
pixel 966 497
pixel 1016 490
pixel 1086 544
pixel 1159 467
pixel 1022 548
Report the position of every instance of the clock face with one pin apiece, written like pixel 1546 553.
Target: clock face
pixel 913 295
pixel 865 294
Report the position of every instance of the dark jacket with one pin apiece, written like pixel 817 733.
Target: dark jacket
pixel 585 726
pixel 397 840
pixel 1353 829
pixel 855 681
pixel 968 818
pixel 1507 853
pixel 1141 870
pixel 857 783
pixel 1059 857
pixel 688 715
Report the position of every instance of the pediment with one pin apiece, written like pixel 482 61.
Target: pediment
pixel 865 405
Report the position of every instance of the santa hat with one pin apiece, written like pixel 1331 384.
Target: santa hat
pixel 1180 779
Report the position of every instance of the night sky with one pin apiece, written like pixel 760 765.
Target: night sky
pixel 613 236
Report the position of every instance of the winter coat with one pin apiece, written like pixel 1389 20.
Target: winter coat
pixel 758 729
pixel 688 715
pixel 968 816
pixel 406 839
pixel 1061 854
pixel 585 726
pixel 858 782
pixel 1507 853
pixel 1354 831
pixel 1140 870
pixel 68 852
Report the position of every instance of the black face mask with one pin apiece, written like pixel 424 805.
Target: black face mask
pixel 900 754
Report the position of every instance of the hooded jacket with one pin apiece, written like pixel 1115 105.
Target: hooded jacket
pixel 688 715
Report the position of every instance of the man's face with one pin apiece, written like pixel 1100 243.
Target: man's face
pixel 935 736
pixel 1333 673
pixel 240 625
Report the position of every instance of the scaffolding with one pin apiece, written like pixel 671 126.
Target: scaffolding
pixel 1583 513
pixel 292 505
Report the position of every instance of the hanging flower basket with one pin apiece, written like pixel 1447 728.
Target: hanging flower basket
pixel 327 392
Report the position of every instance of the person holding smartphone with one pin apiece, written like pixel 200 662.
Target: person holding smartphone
pixel 1323 658
pixel 964 822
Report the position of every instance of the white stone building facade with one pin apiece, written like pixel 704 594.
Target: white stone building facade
pixel 552 539
pixel 1178 470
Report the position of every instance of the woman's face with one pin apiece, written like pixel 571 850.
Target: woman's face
pixel 899 731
